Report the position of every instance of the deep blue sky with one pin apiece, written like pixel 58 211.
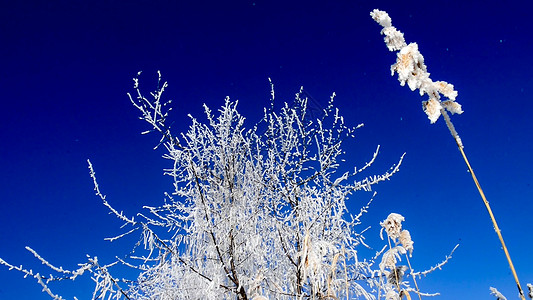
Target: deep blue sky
pixel 65 68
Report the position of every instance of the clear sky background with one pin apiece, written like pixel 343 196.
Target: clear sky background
pixel 66 66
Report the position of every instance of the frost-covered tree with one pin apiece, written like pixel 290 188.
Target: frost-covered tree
pixel 256 212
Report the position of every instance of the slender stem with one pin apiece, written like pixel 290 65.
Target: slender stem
pixel 487 205
pixel 345 271
pixel 414 277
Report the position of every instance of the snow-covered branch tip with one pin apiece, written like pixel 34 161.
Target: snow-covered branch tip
pixel 497 294
pixel 153 110
pixel 366 184
pixel 119 215
pixel 437 266
pixel 44 281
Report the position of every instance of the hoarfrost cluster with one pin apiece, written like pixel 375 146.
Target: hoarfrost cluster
pixel 411 69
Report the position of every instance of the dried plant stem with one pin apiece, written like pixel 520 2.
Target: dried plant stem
pixel 395 270
pixel 414 277
pixel 345 271
pixel 487 205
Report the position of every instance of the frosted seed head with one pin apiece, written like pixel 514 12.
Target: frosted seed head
pixel 410 67
pixel 446 89
pixel 405 240
pixel 391 257
pixel 392 295
pixel 395 276
pixel 432 108
pixel 393 38
pixel 381 17
pixel 393 225
pixel 453 107
pixel 404 66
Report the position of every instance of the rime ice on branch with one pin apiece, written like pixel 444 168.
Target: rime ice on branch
pixel 412 70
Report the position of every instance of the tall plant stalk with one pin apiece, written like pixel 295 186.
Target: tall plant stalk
pixel 412 70
pixel 485 201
